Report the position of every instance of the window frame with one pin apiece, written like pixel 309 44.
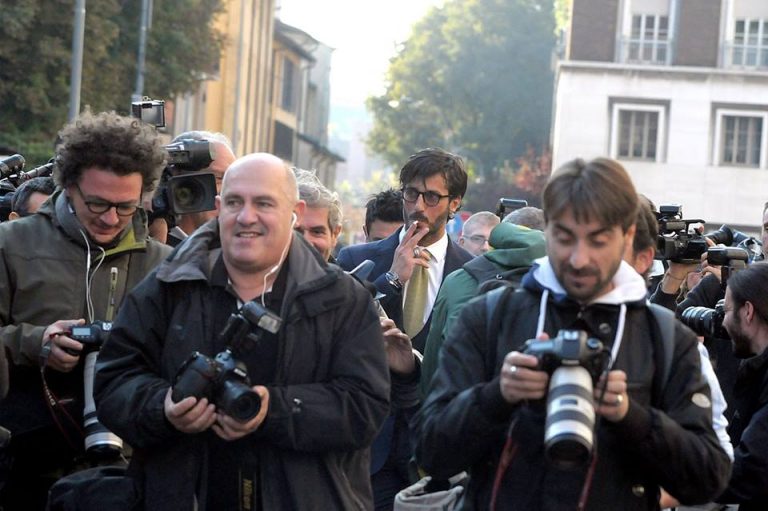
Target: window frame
pixel 661 130
pixel 718 139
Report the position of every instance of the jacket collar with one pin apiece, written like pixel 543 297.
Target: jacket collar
pixel 628 284
pixel 194 259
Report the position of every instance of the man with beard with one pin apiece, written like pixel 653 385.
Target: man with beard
pixel 410 266
pixel 746 320
pixel 486 410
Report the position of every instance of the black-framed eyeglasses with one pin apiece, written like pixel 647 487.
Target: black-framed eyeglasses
pixel 430 198
pixel 99 206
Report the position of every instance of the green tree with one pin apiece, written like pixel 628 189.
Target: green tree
pixel 474 77
pixel 35 58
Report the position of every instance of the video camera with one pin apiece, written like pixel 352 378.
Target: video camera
pixel 223 380
pixel 674 242
pixel 512 204
pixel 574 361
pixel 184 186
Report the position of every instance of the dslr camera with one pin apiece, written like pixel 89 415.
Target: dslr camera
pixel 100 443
pixel 675 243
pixel 223 380
pixel 574 361
pixel 707 322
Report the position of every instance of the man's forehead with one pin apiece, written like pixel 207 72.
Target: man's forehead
pixel 433 182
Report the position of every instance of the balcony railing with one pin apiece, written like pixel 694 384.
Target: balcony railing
pixel 645 51
pixel 745 56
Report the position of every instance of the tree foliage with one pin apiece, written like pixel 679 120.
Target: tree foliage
pixel 36 54
pixel 474 77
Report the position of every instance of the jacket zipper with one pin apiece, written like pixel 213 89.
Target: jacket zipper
pixel 111 296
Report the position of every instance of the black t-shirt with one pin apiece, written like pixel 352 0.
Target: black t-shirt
pixel 234 467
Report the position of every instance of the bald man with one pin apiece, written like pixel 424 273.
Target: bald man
pixel 322 383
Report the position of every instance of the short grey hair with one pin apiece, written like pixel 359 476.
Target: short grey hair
pixel 530 217
pixel 484 218
pixel 317 195
pixel 211 136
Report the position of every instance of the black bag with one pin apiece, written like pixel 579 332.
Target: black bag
pixel 96 489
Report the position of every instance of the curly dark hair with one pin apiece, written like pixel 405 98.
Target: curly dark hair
pixel 110 141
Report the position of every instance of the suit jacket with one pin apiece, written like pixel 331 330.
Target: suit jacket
pixel 382 253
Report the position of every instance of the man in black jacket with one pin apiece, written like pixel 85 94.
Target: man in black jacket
pixel 486 411
pixel 321 377
pixel 746 319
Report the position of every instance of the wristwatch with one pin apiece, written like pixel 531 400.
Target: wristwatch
pixel 394 280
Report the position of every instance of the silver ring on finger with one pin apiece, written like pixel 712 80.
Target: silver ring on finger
pixel 417 252
pixel 619 399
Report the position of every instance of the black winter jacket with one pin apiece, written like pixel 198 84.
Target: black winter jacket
pixel 749 431
pixel 666 438
pixel 330 397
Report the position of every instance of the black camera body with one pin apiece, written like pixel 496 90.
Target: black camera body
pixel 91 336
pixel 184 186
pixel 730 260
pixel 574 361
pixel 570 347
pixel 707 322
pixel 223 380
pixel 674 242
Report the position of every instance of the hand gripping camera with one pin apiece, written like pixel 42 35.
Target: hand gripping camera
pixel 100 443
pixel 223 380
pixel 574 361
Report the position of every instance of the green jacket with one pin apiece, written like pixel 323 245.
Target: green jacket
pixel 514 247
pixel 43 268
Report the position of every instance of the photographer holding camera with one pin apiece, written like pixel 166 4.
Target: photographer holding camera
pixel 313 354
pixel 652 411
pixel 68 265
pixel 746 320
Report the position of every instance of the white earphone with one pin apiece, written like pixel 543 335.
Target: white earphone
pixel 294 219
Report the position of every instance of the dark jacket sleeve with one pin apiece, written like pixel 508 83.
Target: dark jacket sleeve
pixel 666 300
pixel 676 441
pixel 345 410
pixel 464 416
pixel 129 389
pixel 749 479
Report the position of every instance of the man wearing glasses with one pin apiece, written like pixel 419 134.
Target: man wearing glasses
pixel 410 266
pixel 476 232
pixel 70 265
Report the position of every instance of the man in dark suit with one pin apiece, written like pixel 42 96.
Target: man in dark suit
pixel 410 266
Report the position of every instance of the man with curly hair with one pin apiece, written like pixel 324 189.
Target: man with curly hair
pixel 70 265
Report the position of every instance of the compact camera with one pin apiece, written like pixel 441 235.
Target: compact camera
pixel 574 361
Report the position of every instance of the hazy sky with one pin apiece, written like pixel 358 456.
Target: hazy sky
pixel 364 34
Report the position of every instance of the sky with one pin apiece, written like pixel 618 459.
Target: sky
pixel 364 33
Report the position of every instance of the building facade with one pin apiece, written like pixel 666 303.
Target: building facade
pixel 677 90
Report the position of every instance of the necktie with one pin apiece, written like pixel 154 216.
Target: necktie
pixel 416 301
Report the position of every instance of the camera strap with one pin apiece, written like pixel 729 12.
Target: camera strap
pixel 664 347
